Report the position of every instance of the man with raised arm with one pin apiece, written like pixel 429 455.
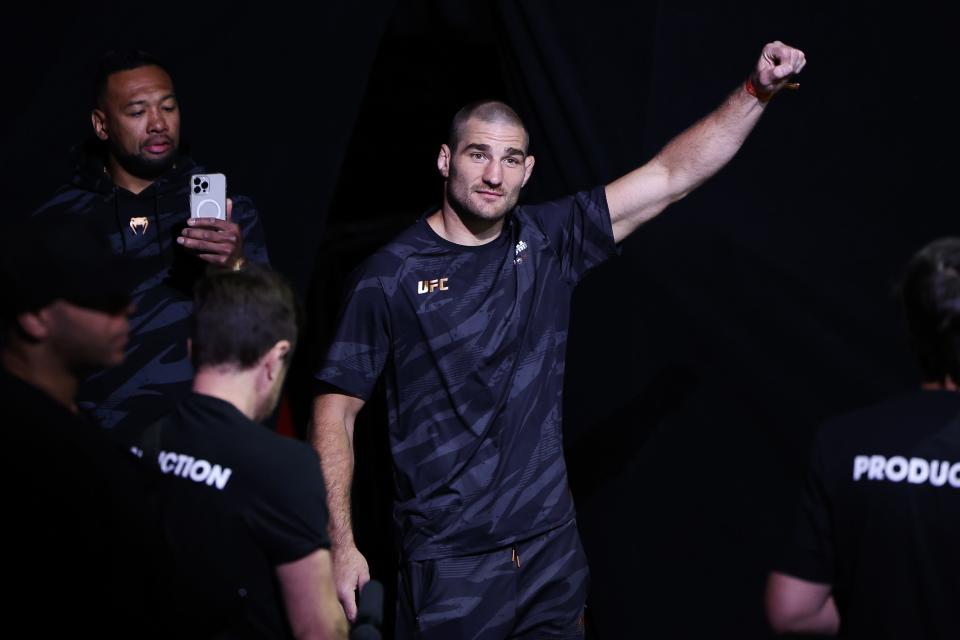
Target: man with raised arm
pixel 465 314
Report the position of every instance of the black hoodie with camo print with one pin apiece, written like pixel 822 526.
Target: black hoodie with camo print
pixel 142 228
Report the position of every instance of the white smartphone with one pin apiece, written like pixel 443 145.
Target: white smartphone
pixel 208 195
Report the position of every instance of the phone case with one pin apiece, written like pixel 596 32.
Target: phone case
pixel 208 195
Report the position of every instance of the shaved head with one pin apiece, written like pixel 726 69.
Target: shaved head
pixel 485 111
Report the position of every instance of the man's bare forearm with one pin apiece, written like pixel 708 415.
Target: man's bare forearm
pixel 709 144
pixel 310 598
pixel 333 439
pixel 795 605
pixel 683 164
pixel 703 149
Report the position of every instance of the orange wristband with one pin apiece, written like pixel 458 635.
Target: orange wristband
pixel 759 95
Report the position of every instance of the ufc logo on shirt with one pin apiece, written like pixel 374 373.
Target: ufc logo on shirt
pixel 429 286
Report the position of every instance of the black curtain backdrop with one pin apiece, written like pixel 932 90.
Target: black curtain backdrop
pixel 702 360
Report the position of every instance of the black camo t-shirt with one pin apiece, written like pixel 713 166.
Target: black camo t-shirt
pixel 471 342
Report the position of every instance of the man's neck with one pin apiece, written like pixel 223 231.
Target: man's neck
pixel 36 366
pixel 230 385
pixel 448 224
pixel 124 179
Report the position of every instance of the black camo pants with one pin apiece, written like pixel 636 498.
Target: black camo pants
pixel 536 588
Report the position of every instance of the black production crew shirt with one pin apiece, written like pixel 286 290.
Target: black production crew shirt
pixel 880 518
pixel 236 501
pixel 471 341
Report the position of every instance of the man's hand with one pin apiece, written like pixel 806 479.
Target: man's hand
pixel 777 63
pixel 350 572
pixel 310 598
pixel 213 240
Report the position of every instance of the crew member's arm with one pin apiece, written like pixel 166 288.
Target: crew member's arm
pixel 703 149
pixel 332 432
pixel 799 606
pixel 310 598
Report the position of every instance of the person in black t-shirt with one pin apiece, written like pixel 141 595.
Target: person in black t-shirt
pixel 466 314
pixel 242 508
pixel 77 522
pixel 874 553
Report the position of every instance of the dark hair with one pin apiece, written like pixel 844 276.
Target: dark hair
pixel 930 291
pixel 238 316
pixel 487 111
pixel 121 60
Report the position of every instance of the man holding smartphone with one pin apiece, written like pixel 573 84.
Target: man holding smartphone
pixel 133 183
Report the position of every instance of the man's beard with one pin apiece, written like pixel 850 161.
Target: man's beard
pixel 143 167
pixel 471 217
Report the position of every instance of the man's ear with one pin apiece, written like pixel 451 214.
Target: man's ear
pixel 443 161
pixel 527 169
pixel 98 118
pixel 35 323
pixel 275 360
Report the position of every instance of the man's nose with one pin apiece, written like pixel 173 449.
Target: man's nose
pixel 493 173
pixel 157 122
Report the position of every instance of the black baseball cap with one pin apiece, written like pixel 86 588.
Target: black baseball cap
pixel 59 257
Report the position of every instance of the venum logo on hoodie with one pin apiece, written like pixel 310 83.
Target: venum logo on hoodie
pixel 139 224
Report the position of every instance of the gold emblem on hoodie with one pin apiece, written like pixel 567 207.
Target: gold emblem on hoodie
pixel 139 224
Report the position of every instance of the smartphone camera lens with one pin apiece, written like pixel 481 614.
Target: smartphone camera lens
pixel 205 185
pixel 196 180
pixel 196 189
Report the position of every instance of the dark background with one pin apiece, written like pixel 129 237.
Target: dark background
pixel 700 361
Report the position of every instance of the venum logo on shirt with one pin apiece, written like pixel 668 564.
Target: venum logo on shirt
pixel 429 286
pixel 520 253
pixel 913 470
